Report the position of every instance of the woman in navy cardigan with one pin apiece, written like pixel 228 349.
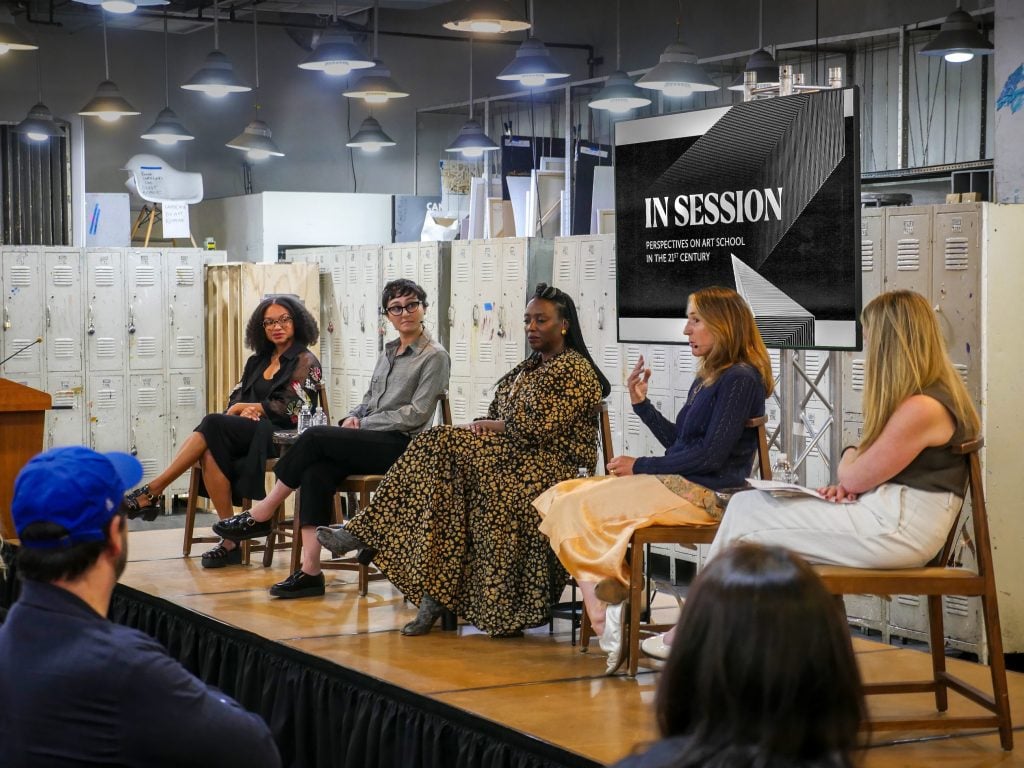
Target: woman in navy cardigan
pixel 708 447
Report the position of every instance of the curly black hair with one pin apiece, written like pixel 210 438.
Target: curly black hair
pixel 573 337
pixel 303 323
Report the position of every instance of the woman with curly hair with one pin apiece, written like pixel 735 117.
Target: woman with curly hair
pixel 232 447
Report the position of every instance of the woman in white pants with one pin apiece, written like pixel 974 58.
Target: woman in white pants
pixel 900 489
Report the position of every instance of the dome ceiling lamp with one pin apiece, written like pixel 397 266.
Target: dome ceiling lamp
pixel 494 17
pixel 958 40
pixel 12 38
pixel 677 73
pixel 619 94
pixel 533 65
pixel 39 125
pixel 108 104
pixel 256 140
pixel 123 6
pixel 472 142
pixel 216 78
pixel 761 63
pixel 375 85
pixel 336 53
pixel 370 137
pixel 167 129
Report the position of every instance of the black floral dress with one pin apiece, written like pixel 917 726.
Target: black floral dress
pixel 453 516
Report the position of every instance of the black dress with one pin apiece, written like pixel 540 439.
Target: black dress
pixel 241 446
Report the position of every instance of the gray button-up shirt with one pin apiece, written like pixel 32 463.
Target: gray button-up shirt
pixel 404 388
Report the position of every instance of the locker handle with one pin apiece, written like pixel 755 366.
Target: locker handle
pixel 47 314
pixel 174 435
pixel 344 314
pixel 7 318
pixel 170 312
pixel 91 330
pixel 476 316
pixel 131 318
pixel 134 451
pixel 501 322
pixel 600 318
pixel 451 317
pixel 362 318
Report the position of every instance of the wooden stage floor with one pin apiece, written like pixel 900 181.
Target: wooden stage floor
pixel 538 684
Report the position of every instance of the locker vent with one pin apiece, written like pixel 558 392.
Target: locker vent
pixel 908 255
pixel 185 346
pixel 611 268
pixel 867 255
pixel 957 605
pixel 62 275
pixel 564 273
pixel 150 467
pixel 20 276
pixel 145 346
pixel 462 272
pixel 962 370
pixel 338 274
pixel 591 268
pixel 409 267
pixel 104 275
pixel 957 253
pixel 106 347
pixel 370 348
pixel 146 397
pixel 658 360
pixel 909 600
pixel 610 357
pixel 487 270
pixel 857 375
pixel 513 269
pixel 145 276
pixel 684 361
pixel 184 276
pixel 65 398
pixel 485 352
pixel 188 397
pixel 775 357
pixel 64 347
pixel 511 354
pixel 353 273
pixel 24 354
pixel 460 351
pixel 370 272
pixel 812 364
pixel 107 398
pixel 336 344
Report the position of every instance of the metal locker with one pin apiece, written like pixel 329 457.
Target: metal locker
pixel 429 278
pixel 65 423
pixel 460 397
pixel 684 368
pixel 333 285
pixel 369 308
pixel 485 345
pixel 659 360
pixel 956 284
pixel 349 306
pixel 148 423
pixel 409 266
pixel 592 292
pixel 460 311
pixel 356 385
pixel 483 394
pixel 615 406
pixel 185 309
pixel 869 612
pixel 391 263
pixel 564 267
pixel 107 411
pixel 338 398
pixel 23 293
pixel 146 309
pixel 34 380
pixel 63 312
pixel 908 249
pixel 634 431
pixel 629 354
pixel 105 311
pixel 186 400
pixel 872 253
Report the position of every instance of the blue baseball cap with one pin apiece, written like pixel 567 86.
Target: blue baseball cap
pixel 76 488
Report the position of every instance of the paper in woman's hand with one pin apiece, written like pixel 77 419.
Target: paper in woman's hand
pixel 781 490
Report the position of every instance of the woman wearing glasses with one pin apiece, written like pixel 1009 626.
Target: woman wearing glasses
pixel 233 447
pixel 409 375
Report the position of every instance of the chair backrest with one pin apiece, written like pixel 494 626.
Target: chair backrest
pixel 323 401
pixel 974 490
pixel 445 407
pixel 764 464
pixel 605 427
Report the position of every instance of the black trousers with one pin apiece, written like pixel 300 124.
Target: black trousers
pixel 323 457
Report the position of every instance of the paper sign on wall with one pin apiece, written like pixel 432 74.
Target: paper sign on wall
pixel 175 218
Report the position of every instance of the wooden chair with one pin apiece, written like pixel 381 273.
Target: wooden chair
pixel 361 487
pixel 935 580
pixel 666 534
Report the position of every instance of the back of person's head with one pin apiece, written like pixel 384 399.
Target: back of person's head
pixel 304 325
pixel 574 335
pixel 396 289
pixel 64 500
pixel 905 354
pixel 762 667
pixel 737 338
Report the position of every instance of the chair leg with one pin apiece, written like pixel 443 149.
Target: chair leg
pixel 586 630
pixel 364 580
pixel 636 586
pixel 937 641
pixel 296 532
pixel 997 666
pixel 190 509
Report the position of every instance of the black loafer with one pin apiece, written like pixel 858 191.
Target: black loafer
pixel 299 584
pixel 220 556
pixel 241 527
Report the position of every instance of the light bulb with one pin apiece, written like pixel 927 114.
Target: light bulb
pixel 167 140
pixel 216 91
pixel 618 106
pixel 257 154
pixel 4 48
pixel 337 68
pixel 118 6
pixel 370 148
pixel 376 98
pixel 678 90
pixel 958 57
pixel 473 152
pixel 109 117
pixel 532 81
pixel 485 26
pixel 37 136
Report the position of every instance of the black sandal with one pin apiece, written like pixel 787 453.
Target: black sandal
pixel 220 556
pixel 134 509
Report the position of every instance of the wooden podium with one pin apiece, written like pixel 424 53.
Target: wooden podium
pixel 22 413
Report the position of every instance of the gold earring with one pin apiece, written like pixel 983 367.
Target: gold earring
pixel 563 331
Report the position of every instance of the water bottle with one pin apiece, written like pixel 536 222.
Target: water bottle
pixel 319 418
pixel 783 470
pixel 305 418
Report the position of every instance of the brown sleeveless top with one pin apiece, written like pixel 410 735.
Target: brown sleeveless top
pixel 937 468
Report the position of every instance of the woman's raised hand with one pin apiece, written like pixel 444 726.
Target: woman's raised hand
pixel 485 426
pixel 637 381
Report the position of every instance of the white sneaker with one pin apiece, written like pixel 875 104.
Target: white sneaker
pixel 611 639
pixel 656 646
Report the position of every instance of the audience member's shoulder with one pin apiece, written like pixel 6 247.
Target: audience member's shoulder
pixel 660 754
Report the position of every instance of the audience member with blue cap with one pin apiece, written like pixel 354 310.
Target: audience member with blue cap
pixel 75 688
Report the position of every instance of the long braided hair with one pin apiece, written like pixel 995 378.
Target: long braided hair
pixel 574 336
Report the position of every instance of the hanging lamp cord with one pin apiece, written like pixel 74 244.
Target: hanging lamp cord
pixel 106 56
pixel 167 68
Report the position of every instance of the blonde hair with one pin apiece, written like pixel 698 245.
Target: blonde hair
pixel 906 354
pixel 737 339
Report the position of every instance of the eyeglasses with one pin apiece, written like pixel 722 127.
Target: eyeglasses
pixel 396 310
pixel 281 322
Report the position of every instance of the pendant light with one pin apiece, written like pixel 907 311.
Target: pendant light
pixel 12 38
pixel 371 137
pixel 167 129
pixel 619 94
pixel 472 141
pixel 677 73
pixel 761 63
pixel 374 85
pixel 123 6
pixel 487 17
pixel 533 65
pixel 39 125
pixel 108 104
pixel 959 39
pixel 216 78
pixel 256 140
pixel 336 52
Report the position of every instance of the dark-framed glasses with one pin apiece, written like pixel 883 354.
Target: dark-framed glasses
pixel 281 322
pixel 396 310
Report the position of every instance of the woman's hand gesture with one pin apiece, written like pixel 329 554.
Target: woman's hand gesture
pixel 637 381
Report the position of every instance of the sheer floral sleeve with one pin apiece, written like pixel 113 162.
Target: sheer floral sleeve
pixel 293 390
